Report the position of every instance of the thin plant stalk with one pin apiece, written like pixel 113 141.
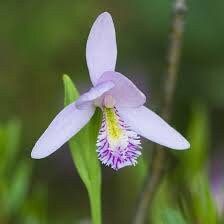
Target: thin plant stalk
pixel 159 161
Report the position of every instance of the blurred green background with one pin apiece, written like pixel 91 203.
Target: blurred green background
pixel 41 40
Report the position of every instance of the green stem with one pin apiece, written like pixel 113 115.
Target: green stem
pixel 95 206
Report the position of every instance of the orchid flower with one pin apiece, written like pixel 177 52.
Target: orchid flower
pixel 125 118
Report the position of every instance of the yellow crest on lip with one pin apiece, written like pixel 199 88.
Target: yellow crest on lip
pixel 114 130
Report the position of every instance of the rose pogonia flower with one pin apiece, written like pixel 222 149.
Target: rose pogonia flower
pixel 124 116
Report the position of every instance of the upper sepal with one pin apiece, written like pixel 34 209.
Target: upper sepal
pixel 101 48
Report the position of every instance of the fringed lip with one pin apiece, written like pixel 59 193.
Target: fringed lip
pixel 117 145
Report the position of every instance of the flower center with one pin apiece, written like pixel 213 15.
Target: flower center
pixel 109 101
pixel 118 146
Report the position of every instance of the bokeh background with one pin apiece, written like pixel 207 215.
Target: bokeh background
pixel 41 40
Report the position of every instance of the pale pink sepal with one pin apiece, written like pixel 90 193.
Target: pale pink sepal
pixel 66 124
pixel 149 125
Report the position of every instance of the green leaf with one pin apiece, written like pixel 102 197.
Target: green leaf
pixel 163 200
pixel 192 160
pixel 18 187
pixel 35 209
pixel 193 190
pixel 83 149
pixel 199 138
pixel 71 93
pixel 9 143
pixel 172 216
pixel 202 200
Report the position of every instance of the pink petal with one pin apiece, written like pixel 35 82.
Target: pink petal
pixel 94 93
pixel 101 49
pixel 66 124
pixel 125 93
pixel 149 125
